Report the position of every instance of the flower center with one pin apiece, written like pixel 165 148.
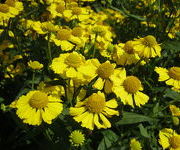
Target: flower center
pixel 128 47
pixel 174 72
pixel 73 60
pixel 132 84
pixel 63 34
pixel 38 100
pixel 77 31
pixel 4 8
pixel 105 70
pixel 60 7
pixel 175 142
pixel 76 11
pixel 10 3
pixel 77 138
pixel 149 41
pixel 95 103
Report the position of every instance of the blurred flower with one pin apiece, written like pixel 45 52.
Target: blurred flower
pixel 77 138
pixel 92 109
pixel 37 106
pixel 147 47
pixel 124 54
pixel 169 139
pixel 171 76
pixel 129 88
pixel 135 144
pixel 175 114
pixel 35 65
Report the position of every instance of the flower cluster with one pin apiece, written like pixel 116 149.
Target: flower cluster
pixel 73 62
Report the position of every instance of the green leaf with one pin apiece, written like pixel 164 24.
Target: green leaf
pixel 109 138
pixel 174 46
pixel 1 99
pixel 131 118
pixel 143 131
pixel 156 108
pixel 172 94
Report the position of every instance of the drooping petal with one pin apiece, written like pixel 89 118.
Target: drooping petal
pixel 97 123
pixel 99 84
pixel 111 112
pixel 88 121
pixel 112 103
pixel 163 73
pixel 140 98
pixel 76 111
pixel 105 121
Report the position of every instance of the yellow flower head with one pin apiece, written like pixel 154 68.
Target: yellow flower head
pixel 36 106
pixel 135 144
pixel 124 54
pixel 77 31
pixel 175 110
pixel 147 47
pixel 92 109
pixel 67 64
pixel 56 9
pixel 55 91
pixel 64 34
pixel 4 8
pixel 35 65
pixel 169 139
pixel 77 138
pixel 171 76
pixel 129 88
pixel 105 71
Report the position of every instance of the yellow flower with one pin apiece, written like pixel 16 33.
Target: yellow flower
pixel 171 76
pixel 135 144
pixel 67 64
pixel 124 54
pixel 55 91
pixel 63 38
pixel 77 138
pixel 147 47
pixel 14 70
pixel 169 139
pixel 56 9
pixel 105 71
pixel 37 106
pixel 35 65
pixel 15 6
pixel 129 88
pixel 174 110
pixel 86 72
pixel 92 109
pixel 5 12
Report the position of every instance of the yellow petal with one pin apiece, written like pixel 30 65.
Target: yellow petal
pixel 112 103
pixel 111 112
pixel 76 111
pixel 99 84
pixel 140 98
pixel 105 121
pixel 88 121
pixel 163 73
pixel 97 123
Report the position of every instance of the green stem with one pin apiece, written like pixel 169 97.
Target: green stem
pixel 33 77
pixel 94 50
pixel 49 49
